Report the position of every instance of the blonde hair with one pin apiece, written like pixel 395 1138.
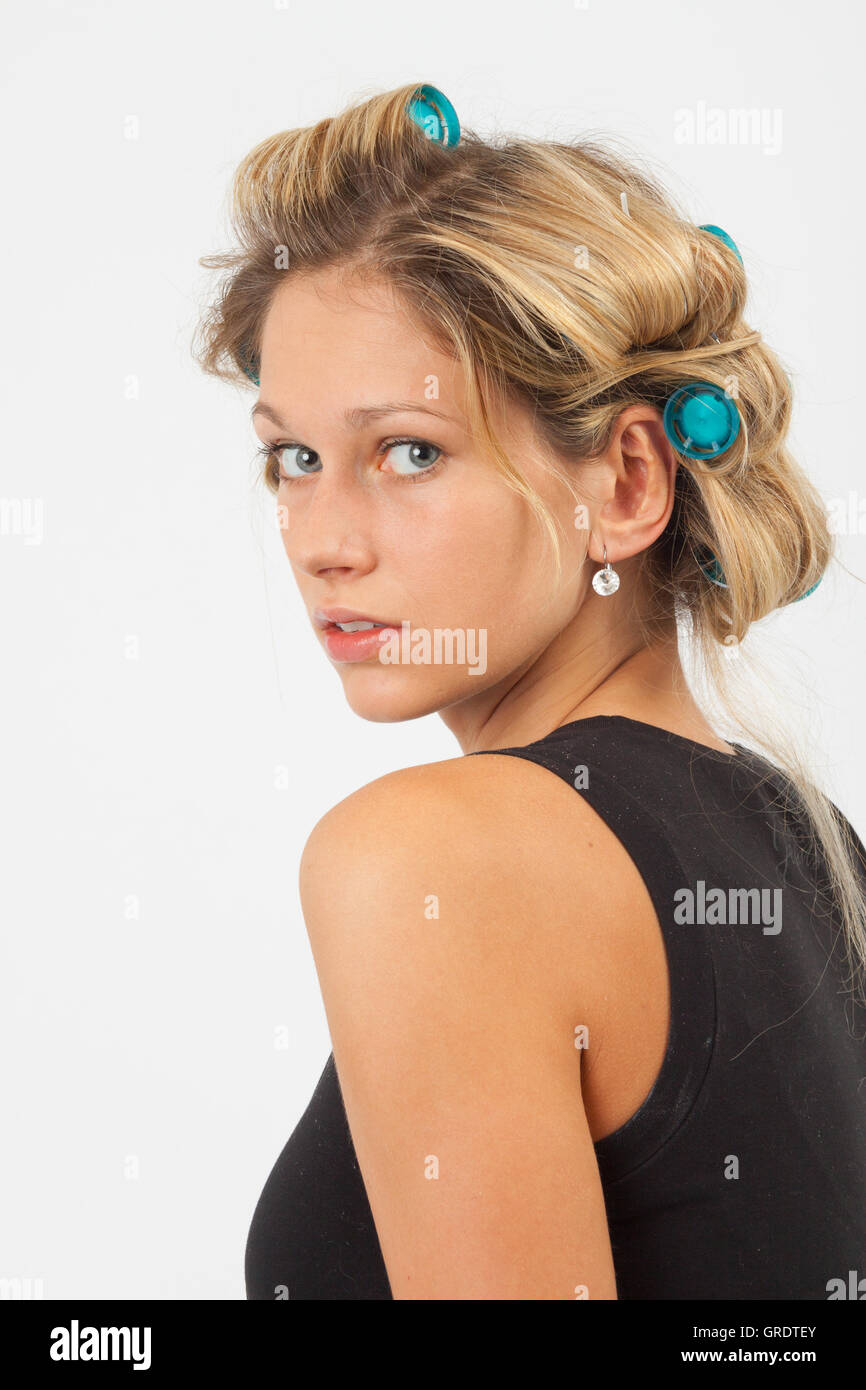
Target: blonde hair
pixel 521 258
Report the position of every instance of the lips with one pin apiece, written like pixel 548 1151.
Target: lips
pixel 328 618
pixel 360 639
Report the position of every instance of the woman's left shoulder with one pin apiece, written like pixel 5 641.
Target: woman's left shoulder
pixel 448 814
pixel 472 810
pixel 493 838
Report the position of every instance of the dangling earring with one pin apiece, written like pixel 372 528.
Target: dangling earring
pixel 605 581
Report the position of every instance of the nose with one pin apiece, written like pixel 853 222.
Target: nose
pixel 329 524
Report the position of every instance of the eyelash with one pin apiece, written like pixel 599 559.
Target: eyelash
pixel 269 454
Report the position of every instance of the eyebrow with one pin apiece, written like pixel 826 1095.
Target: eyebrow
pixel 359 415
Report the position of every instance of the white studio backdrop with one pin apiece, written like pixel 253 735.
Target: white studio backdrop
pixel 171 729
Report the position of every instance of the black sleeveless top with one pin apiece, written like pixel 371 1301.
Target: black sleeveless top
pixel 743 1173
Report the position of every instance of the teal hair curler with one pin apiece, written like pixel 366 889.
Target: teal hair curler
pixel 249 366
pixel 701 420
pixel 432 111
pixel 713 570
pixel 723 236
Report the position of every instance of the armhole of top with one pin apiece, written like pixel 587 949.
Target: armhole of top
pixel 691 974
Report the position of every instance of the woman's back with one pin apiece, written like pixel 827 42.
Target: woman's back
pixel 743 1172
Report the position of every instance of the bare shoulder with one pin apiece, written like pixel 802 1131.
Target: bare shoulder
pixel 514 866
pixel 495 824
pixel 476 805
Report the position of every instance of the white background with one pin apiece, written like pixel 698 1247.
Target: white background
pixel 147 1088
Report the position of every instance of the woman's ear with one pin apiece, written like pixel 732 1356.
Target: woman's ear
pixel 637 482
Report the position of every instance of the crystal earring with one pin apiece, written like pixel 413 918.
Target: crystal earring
pixel 605 581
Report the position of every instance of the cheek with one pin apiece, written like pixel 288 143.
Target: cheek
pixel 520 597
pixel 468 544
pixel 485 564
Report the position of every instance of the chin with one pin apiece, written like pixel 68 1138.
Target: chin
pixel 387 697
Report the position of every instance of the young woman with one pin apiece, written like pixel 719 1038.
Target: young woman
pixel 594 987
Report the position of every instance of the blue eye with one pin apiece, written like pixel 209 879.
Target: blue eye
pixel 417 449
pixel 307 460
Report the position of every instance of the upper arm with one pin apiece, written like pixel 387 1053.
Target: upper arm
pixel 458 1067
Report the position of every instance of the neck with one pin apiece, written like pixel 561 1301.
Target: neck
pixel 576 677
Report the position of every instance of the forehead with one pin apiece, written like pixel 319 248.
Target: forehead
pixel 334 338
pixel 335 321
